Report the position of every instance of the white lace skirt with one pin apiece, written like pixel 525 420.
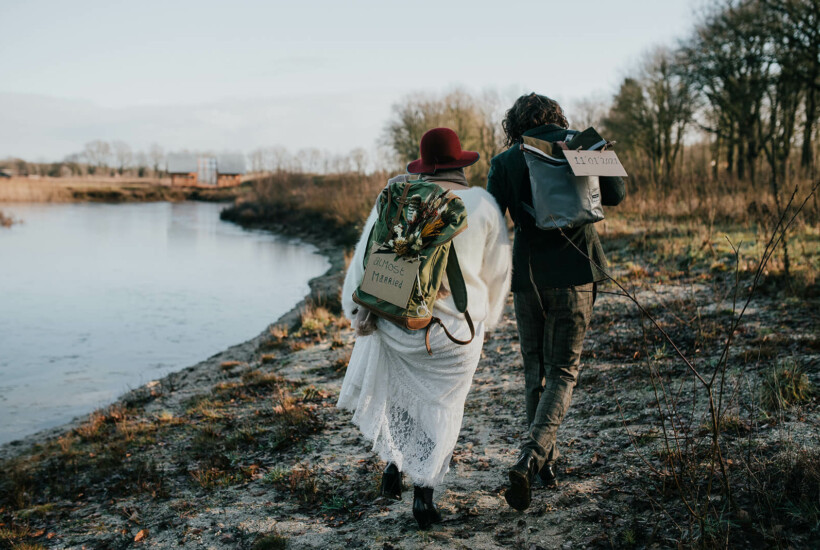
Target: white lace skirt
pixel 410 404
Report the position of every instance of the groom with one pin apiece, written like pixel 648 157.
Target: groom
pixel 551 337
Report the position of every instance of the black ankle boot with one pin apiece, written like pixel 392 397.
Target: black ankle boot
pixel 424 510
pixel 519 495
pixel 547 475
pixel 391 482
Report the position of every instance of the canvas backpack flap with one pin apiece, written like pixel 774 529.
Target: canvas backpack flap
pixel 560 199
pixel 398 205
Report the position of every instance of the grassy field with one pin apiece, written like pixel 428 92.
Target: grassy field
pixel 695 424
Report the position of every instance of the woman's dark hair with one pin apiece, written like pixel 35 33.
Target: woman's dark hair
pixel 530 111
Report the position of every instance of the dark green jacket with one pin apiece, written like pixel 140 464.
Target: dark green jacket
pixel 555 262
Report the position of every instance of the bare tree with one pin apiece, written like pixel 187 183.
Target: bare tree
pixel 794 28
pixel 358 157
pixel 649 115
pixel 257 158
pixel 476 120
pixel 308 160
pixel 588 112
pixel 123 155
pixel 727 63
pixel 157 156
pixel 98 154
pixel 141 163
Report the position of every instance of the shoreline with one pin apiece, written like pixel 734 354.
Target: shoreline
pixel 59 190
pixel 320 287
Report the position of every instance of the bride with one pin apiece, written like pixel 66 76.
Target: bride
pixel 408 403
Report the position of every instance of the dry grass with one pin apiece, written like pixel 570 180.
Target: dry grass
pixel 342 199
pixel 712 202
pixel 315 319
pixel 335 205
pixel 229 365
pixel 278 336
pixel 60 189
pixel 785 385
pixel 6 220
pixel 108 190
pixel 340 364
pixel 270 541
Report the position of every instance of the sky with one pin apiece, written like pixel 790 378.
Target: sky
pixel 239 75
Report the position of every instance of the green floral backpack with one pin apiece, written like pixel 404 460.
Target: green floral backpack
pixel 409 250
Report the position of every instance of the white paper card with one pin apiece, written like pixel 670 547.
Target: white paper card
pixel 389 277
pixel 595 163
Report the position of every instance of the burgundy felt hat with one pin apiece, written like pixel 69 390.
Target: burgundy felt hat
pixel 440 150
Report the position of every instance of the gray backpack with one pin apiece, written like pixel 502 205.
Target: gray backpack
pixel 560 199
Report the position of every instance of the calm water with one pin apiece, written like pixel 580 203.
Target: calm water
pixel 96 299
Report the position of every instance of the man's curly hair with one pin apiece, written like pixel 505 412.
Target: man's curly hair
pixel 530 111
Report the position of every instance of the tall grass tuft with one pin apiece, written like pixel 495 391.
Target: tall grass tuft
pixel 785 385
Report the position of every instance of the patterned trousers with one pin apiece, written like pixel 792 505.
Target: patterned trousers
pixel 551 350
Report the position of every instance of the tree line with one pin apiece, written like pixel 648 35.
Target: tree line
pixel 739 95
pixel 98 158
pixel 748 77
pixel 734 102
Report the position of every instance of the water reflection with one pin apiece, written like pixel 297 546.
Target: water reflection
pixel 97 298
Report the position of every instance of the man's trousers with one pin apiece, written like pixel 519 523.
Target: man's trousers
pixel 551 348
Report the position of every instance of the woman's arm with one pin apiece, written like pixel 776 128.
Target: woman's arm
pixel 355 270
pixel 496 266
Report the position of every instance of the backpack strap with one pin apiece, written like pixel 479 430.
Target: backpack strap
pixel 400 204
pixel 459 291
pixel 436 320
pixel 535 286
pixel 403 179
pixel 456 280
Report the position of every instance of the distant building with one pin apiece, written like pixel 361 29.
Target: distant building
pixel 202 170
pixel 229 170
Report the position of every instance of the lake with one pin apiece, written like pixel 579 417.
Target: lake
pixel 96 299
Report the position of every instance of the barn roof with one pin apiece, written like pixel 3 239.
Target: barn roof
pixel 182 163
pixel 231 164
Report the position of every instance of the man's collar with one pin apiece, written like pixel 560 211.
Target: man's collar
pixel 542 130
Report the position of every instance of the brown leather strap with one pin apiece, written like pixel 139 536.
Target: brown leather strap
pixel 402 202
pixel 436 320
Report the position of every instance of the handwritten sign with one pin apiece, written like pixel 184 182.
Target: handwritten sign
pixel 595 163
pixel 389 277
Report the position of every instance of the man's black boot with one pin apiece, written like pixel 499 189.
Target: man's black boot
pixel 547 475
pixel 424 510
pixel 391 482
pixel 519 495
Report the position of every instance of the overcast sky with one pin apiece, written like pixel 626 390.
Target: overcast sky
pixel 234 76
